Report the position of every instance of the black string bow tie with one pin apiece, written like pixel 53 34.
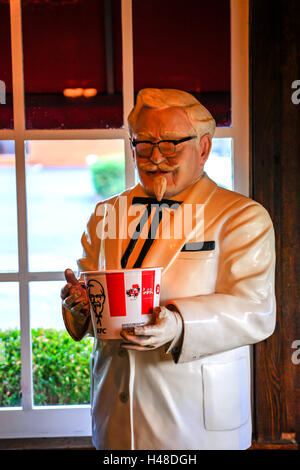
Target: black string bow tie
pixel 150 203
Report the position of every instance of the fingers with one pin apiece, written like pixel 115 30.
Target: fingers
pixel 71 281
pixel 70 301
pixel 160 313
pixel 69 289
pixel 148 335
pixel 81 307
pixel 148 330
pixel 137 348
pixel 142 331
pixel 71 278
pixel 73 294
pixel 75 303
pixel 143 338
pixel 137 340
pixel 65 291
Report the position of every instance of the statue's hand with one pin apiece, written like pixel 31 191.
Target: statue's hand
pixel 167 326
pixel 74 295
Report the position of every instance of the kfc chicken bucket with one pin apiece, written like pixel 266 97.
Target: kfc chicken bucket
pixel 122 298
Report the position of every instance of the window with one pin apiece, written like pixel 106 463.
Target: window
pixel 6 105
pixel 61 129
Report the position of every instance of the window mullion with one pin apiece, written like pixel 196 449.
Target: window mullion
pixel 73 134
pixel 224 132
pixel 240 94
pixel 7 134
pixel 128 85
pixel 19 124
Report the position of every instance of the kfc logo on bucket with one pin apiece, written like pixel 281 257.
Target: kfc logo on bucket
pixel 133 292
pixel 121 299
pixel 97 298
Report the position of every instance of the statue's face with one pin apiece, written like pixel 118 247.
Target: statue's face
pixel 180 171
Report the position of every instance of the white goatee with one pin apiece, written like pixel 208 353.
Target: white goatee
pixel 160 186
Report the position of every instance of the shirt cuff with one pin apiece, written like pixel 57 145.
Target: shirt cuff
pixel 175 346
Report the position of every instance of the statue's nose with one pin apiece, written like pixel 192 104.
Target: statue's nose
pixel 157 157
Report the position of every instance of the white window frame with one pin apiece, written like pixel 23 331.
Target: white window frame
pixel 74 420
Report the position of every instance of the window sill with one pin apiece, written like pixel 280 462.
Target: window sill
pixel 48 443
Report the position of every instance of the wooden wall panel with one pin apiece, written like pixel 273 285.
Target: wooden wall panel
pixel 275 151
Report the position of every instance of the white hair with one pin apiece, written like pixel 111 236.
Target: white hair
pixel 199 117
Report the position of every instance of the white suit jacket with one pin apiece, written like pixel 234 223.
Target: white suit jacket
pixel 198 395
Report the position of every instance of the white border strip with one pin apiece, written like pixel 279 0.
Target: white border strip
pixel 128 85
pixel 19 122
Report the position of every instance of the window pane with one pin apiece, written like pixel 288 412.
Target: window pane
pixel 60 365
pixel 8 208
pixel 72 64
pixel 10 350
pixel 219 164
pixel 65 180
pixel 193 40
pixel 6 108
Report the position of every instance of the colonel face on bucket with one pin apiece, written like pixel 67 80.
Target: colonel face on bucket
pixel 170 115
pixel 97 298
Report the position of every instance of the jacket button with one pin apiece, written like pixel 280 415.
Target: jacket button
pixel 123 397
pixel 122 352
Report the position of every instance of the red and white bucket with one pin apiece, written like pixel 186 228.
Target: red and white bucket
pixel 122 298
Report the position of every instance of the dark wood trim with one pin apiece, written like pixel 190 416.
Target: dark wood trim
pixel 275 445
pixel 275 149
pixel 48 443
pixel 85 443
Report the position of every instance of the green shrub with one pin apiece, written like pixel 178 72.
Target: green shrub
pixel 60 368
pixel 10 368
pixel 108 176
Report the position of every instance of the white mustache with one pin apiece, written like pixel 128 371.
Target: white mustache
pixel 153 167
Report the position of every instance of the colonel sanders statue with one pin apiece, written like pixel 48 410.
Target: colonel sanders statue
pixel 184 381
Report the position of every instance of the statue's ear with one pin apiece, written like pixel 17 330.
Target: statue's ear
pixel 204 147
pixel 132 148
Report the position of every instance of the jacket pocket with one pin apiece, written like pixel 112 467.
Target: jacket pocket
pixel 226 394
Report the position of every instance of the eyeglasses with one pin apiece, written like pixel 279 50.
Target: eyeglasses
pixel 144 148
